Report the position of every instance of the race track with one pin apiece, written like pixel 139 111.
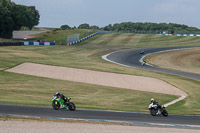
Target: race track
pixel 128 58
pixel 131 58
pixel 103 116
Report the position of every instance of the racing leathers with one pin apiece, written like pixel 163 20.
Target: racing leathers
pixel 155 104
pixel 61 96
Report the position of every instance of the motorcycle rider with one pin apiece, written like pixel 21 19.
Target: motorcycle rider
pixel 153 104
pixel 61 96
pixel 142 52
pixel 143 63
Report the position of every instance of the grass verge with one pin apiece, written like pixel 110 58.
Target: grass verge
pixel 187 60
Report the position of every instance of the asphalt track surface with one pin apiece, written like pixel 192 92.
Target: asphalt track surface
pixel 96 115
pixel 132 58
pixel 128 58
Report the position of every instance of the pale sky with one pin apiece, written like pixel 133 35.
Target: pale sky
pixel 54 13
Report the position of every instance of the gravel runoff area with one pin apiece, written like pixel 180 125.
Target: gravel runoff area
pixel 52 127
pixel 99 78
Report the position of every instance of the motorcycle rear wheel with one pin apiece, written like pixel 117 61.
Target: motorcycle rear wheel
pixel 153 112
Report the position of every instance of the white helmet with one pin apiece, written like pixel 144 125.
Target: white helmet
pixel 57 93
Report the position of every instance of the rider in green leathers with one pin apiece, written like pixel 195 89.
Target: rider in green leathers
pixel 61 96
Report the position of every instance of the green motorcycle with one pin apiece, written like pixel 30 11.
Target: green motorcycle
pixel 58 103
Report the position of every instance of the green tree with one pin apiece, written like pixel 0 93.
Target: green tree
pixel 34 17
pixel 152 28
pixel 13 17
pixel 108 28
pixel 94 27
pixel 30 16
pixel 84 26
pixel 64 27
pixel 6 22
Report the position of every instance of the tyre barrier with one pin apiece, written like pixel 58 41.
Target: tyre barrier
pixel 187 35
pixel 39 43
pixel 181 34
pixel 85 38
pixel 11 43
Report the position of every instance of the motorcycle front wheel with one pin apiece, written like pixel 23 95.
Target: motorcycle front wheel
pixel 165 113
pixel 72 106
pixel 56 105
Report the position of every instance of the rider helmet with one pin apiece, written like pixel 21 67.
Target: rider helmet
pixel 58 94
pixel 152 99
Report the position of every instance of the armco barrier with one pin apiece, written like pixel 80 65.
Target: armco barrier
pixel 85 38
pixel 39 43
pixel 11 43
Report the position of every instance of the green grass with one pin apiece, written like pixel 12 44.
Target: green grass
pixel 7 40
pixel 60 36
pixel 30 90
pixel 129 40
pixel 187 60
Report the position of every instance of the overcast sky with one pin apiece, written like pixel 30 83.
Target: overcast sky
pixel 54 13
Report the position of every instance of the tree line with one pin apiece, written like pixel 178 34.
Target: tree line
pixel 81 26
pixel 152 28
pixel 13 17
pixel 144 28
